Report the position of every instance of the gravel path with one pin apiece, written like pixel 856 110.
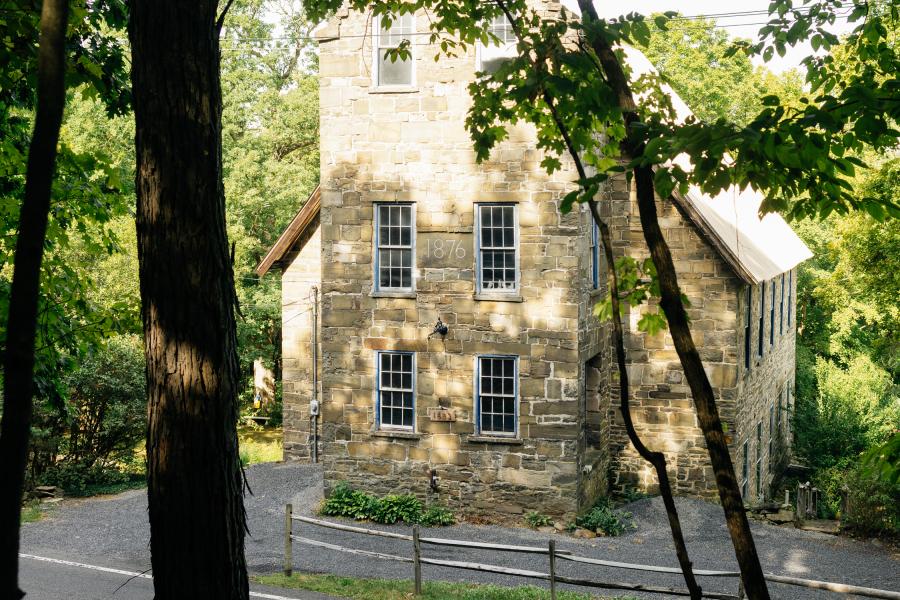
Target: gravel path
pixel 114 531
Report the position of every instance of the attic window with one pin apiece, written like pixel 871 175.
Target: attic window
pixel 495 53
pixel 781 310
pixel 772 317
pixel 748 333
pixel 392 31
pixel 762 319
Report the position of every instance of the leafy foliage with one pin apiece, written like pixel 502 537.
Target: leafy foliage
pixel 604 518
pixel 344 501
pixel 536 519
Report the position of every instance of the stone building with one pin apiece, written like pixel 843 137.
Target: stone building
pixel 513 406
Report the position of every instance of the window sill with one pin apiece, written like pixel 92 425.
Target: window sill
pixel 488 297
pixel 490 439
pixel 594 293
pixel 394 89
pixel 398 434
pixel 382 294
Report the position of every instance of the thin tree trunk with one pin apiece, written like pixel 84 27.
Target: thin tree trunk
pixel 657 459
pixel 21 324
pixel 195 482
pixel 670 301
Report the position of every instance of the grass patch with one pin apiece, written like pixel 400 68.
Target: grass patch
pixel 393 589
pixel 258 445
pixel 32 512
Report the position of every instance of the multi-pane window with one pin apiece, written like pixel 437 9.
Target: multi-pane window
pixel 778 411
pixel 745 472
pixel 394 247
pixel 781 309
pixel 595 254
pixel 392 31
pixel 790 291
pixel 396 390
pixel 762 319
pixel 497 395
pixel 497 241
pixel 771 435
pixel 747 328
pixel 496 52
pixel 759 460
pixel 503 29
pixel 772 317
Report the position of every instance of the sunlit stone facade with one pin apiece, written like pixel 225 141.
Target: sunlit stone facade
pixel 514 408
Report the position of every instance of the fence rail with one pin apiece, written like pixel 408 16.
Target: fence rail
pixel 553 555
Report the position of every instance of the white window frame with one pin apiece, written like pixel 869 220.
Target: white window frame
pixel 379 423
pixel 493 50
pixel 378 52
pixel 479 289
pixel 477 400
pixel 376 254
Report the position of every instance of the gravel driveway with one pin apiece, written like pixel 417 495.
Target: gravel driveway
pixel 113 531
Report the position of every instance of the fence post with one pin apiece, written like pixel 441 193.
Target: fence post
pixel 552 548
pixel 288 530
pixel 417 558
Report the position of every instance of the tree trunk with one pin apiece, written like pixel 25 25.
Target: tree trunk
pixel 194 477
pixel 701 390
pixel 18 364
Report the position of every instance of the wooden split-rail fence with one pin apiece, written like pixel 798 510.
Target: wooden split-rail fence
pixel 553 554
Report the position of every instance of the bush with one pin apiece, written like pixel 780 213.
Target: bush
pixel 437 516
pixel 394 508
pixel 344 501
pixel 536 519
pixel 604 518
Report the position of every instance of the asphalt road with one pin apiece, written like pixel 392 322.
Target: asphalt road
pixel 113 532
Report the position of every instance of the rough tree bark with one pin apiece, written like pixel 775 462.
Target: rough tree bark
pixel 195 482
pixel 657 459
pixel 670 301
pixel 18 363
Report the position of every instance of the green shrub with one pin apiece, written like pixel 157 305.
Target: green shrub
pixel 344 501
pixel 437 516
pixel 604 518
pixel 536 519
pixel 393 508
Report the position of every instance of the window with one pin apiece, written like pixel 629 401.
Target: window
pixel 595 254
pixel 778 411
pixel 745 472
pixel 747 331
pixel 781 310
pixel 790 292
pixel 394 241
pixel 772 317
pixel 762 314
pixel 390 35
pixel 759 460
pixel 771 435
pixel 498 255
pixel 396 390
pixel 493 54
pixel 496 395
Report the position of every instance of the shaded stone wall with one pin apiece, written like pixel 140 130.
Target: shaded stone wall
pixel 301 271
pixel 765 387
pixel 661 402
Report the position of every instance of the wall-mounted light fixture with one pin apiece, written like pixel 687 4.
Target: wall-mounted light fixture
pixel 440 328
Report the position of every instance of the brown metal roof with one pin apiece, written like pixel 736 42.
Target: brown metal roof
pixel 290 235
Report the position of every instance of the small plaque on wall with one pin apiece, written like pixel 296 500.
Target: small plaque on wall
pixel 441 414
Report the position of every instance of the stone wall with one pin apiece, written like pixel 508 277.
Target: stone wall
pixel 301 271
pixel 765 387
pixel 662 407
pixel 413 147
